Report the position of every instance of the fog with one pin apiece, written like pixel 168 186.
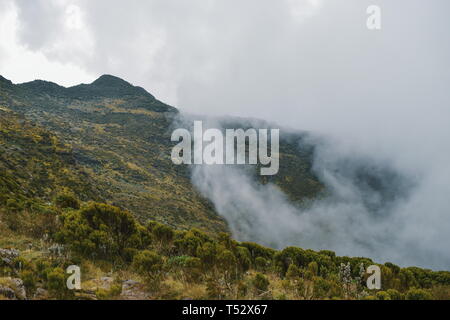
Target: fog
pixel 402 219
pixel 377 98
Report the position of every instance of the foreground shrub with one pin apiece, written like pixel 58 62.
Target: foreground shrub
pixel 418 294
pixel 99 231
pixel 150 265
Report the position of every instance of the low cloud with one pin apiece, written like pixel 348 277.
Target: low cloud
pixel 373 208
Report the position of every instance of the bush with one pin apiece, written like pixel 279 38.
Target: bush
pixel 261 264
pixel 394 294
pixel 190 267
pixel 261 283
pixel 313 267
pixel 29 280
pixel 56 282
pixel 293 272
pixel 227 263
pixel 321 287
pixel 163 234
pixel 243 257
pixel 149 264
pixel 114 291
pixel 418 294
pixel 67 200
pixel 99 231
pixel 383 295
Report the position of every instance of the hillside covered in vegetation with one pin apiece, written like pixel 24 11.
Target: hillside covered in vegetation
pixel 123 259
pixel 116 138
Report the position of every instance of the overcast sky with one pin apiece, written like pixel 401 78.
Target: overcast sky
pixel 307 64
pixel 301 62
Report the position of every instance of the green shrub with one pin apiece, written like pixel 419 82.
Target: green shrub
pixel 150 265
pixel 107 294
pixel 261 264
pixel 383 295
pixel 418 294
pixel 67 200
pixel 99 231
pixel 394 294
pixel 261 283
pixel 56 282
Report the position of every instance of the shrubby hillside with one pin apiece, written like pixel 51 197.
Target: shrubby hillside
pixel 121 258
pixel 118 138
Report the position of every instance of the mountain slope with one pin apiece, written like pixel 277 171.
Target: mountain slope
pixel 118 137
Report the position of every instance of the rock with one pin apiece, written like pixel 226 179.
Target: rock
pixel 9 255
pixel 15 285
pixel 7 292
pixel 19 288
pixel 127 284
pixel 133 290
pixel 85 296
pixel 104 283
pixel 40 294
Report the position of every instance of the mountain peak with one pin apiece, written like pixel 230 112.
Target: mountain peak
pixel 5 81
pixel 107 80
pixel 106 86
pixel 117 86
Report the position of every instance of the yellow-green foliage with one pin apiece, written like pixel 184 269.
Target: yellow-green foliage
pixel 192 264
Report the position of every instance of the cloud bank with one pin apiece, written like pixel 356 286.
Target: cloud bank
pixel 372 208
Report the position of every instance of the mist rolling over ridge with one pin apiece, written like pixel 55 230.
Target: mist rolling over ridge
pixel 369 206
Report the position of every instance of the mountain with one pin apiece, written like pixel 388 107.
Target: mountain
pixel 110 141
pixel 107 145
pixel 113 135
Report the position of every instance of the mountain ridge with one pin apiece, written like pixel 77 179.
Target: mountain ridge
pixel 120 135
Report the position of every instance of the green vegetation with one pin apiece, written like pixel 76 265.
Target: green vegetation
pixel 110 142
pixel 180 264
pixel 107 142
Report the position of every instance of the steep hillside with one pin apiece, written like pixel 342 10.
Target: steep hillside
pixel 118 137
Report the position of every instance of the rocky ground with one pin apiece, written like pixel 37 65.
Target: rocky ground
pixel 12 288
